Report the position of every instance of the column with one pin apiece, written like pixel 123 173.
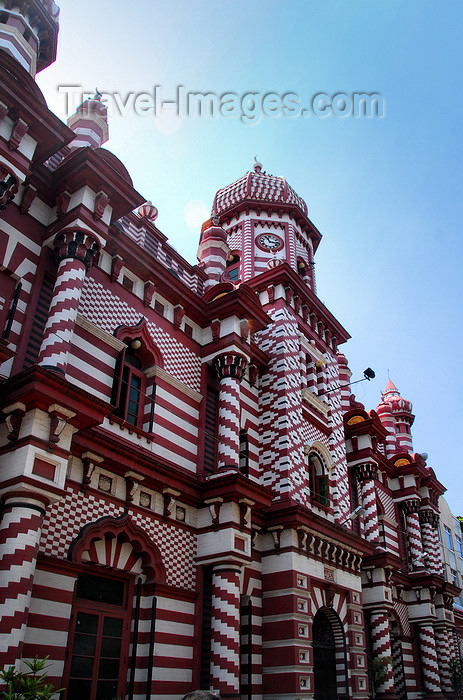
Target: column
pixel 428 656
pixel 415 545
pixel 75 251
pixel 225 632
pixel 429 521
pixel 366 474
pixel 230 369
pixel 443 638
pixel 381 647
pixel 20 531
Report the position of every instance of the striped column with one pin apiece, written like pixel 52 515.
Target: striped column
pixel 398 667
pixel 225 632
pixel 429 662
pixel 429 521
pixel 381 647
pixel 230 369
pixel 443 637
pixel 75 251
pixel 20 530
pixel 366 474
pixel 415 544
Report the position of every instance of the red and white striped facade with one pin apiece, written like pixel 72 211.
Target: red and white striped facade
pixel 180 454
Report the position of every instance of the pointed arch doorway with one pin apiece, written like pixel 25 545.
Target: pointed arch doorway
pixel 329 656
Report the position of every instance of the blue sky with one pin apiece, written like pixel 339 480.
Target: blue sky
pixel 385 193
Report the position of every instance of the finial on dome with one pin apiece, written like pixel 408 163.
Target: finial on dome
pixel 257 165
pixel 98 95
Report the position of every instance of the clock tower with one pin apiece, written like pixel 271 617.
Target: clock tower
pixel 266 224
pixel 260 237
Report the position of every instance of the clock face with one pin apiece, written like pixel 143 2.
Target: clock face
pixel 270 241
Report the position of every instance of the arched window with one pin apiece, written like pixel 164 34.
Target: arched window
pixel 134 386
pixel 317 478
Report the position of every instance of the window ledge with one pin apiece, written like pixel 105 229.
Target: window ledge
pixel 315 402
pixel 130 428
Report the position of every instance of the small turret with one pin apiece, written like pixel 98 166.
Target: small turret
pixel 90 123
pixel 29 32
pixel 213 252
pixel 396 415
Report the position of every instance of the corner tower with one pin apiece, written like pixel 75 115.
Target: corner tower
pixel 29 32
pixel 266 223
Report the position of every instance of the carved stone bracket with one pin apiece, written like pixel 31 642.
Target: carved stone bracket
pixel 215 328
pixel 18 132
pixel 132 482
pixel 214 509
pixel 276 534
pixel 59 417
pixel 116 266
pixel 179 313
pixel 14 416
pixel 148 294
pixel 29 195
pixel 89 460
pixel 245 512
pixel 169 496
pixel 101 202
pixel 9 185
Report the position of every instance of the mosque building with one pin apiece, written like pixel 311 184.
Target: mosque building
pixel 191 496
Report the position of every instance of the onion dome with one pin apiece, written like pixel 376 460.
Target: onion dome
pixel 392 397
pixel 148 211
pixel 258 187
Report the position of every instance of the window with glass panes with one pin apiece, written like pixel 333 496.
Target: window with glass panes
pixel 98 639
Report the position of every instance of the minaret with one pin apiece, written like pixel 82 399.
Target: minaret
pixel 29 31
pixel 90 123
pixel 396 415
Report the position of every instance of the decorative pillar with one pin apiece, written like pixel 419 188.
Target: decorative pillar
pixel 443 637
pixel 20 530
pixel 230 369
pixel 225 631
pixel 75 251
pixel 428 655
pixel 429 521
pixel 415 545
pixel 366 475
pixel 381 647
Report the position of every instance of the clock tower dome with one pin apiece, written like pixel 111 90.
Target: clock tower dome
pixel 266 223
